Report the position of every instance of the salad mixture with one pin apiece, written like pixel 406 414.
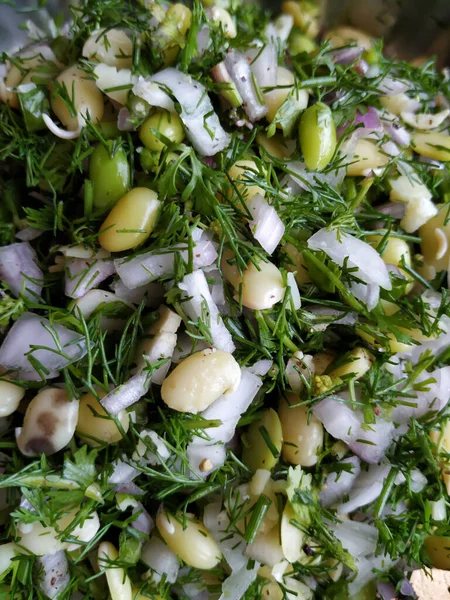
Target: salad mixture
pixel 224 310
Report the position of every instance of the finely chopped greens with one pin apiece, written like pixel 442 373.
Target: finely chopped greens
pixel 224 308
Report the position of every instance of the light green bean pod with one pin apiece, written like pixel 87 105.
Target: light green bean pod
pixel 110 176
pixel 317 136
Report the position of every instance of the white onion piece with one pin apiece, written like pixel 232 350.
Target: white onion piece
pixel 203 459
pixel 431 401
pixel 217 289
pixel 417 481
pixel 203 40
pixel 29 234
pixel 368 569
pixel 124 120
pixel 227 409
pixel 83 275
pixel 266 226
pixel 82 251
pixel 159 557
pixel 154 291
pixel 126 394
pixel 232 545
pixel 359 539
pixel 366 488
pixel 295 301
pixel 302 179
pixel 19 270
pixel 202 124
pixel 300 368
pixel 369 294
pixel 163 346
pixel 241 74
pixel 438 509
pixel 63 134
pixel 261 367
pixel 89 303
pixel 338 484
pixel 195 295
pixel 186 345
pixel 345 56
pixel 147 267
pixel 33 330
pixel 151 449
pixel 235 586
pixel 280 29
pixel 340 246
pixel 130 489
pixel 143 523
pixel 108 77
pixel 369 442
pixel 331 316
pixel 264 63
pixel 391 87
pixel 396 132
pixel 123 473
pixel 54 574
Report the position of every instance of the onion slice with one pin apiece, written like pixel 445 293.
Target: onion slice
pixel 127 394
pixel 19 270
pixel 195 298
pixel 54 574
pixel 52 347
pixel 83 275
pixel 245 82
pixel 340 246
pixel 266 226
pixel 202 124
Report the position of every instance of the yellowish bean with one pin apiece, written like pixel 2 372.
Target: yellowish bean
pixel 257 288
pixel 95 426
pixel 291 536
pixel 438 550
pixel 10 397
pixel 441 437
pixel 394 345
pixel 257 454
pixel 167 124
pixel 240 171
pixel 302 437
pixel 194 544
pixel 40 540
pixel 342 36
pixel 357 362
pixel 49 423
pixel 83 94
pixel 266 547
pixel 322 360
pixel 7 553
pixel 432 144
pixel 366 158
pixel 130 221
pixel 397 103
pixel 396 252
pixel 272 147
pixel 435 244
pixel 275 98
pixel 298 264
pixel 223 17
pixel 306 18
pixel 112 47
pixel 119 583
pixel 200 379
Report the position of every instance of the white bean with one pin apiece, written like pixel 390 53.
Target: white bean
pixel 291 536
pixel 49 423
pixel 241 171
pixel 119 583
pixel 367 157
pixel 222 16
pixel 112 47
pixel 359 362
pixel 194 544
pixel 200 379
pixel 83 94
pixel 93 429
pixel 10 397
pixel 302 439
pixel 258 287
